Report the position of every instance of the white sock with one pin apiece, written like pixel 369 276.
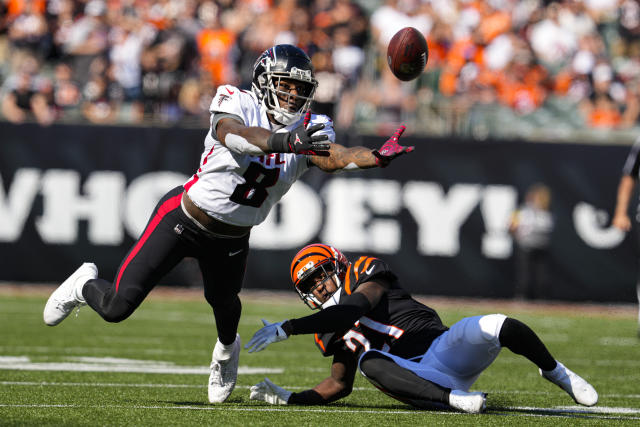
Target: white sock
pixel 222 351
pixel 77 293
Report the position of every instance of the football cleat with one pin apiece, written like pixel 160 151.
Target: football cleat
pixel 580 390
pixel 68 295
pixel 224 373
pixel 473 402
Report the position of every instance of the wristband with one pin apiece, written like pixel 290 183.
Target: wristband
pixel 279 142
pixel 382 162
pixel 287 328
pixel 307 397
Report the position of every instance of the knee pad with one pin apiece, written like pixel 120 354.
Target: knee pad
pixel 490 326
pixel 477 329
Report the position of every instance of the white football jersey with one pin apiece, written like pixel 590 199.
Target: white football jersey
pixel 241 189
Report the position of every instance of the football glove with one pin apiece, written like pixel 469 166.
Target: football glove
pixel 270 393
pixel 270 333
pixel 391 149
pixel 300 140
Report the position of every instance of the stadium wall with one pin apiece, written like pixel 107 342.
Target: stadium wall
pixel 439 216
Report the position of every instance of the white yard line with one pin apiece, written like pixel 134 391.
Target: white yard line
pixel 291 387
pixel 111 364
pixel 559 412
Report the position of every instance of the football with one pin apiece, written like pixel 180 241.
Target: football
pixel 407 54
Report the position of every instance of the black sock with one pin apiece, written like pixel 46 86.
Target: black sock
pixel 398 382
pixel 520 339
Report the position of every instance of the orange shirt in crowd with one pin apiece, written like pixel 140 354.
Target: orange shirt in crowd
pixel 18 7
pixel 214 46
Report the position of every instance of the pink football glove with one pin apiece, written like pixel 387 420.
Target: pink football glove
pixel 391 149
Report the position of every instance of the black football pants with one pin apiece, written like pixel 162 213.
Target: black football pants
pixel 169 237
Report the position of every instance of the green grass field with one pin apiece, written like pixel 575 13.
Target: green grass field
pixel 152 369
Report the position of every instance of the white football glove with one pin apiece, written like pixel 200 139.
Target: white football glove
pixel 270 333
pixel 270 393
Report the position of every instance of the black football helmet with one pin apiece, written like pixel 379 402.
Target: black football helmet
pixel 287 62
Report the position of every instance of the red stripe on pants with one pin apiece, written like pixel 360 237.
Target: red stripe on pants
pixel 165 208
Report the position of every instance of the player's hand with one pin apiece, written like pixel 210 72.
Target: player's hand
pixel 301 140
pixel 622 222
pixel 270 333
pixel 391 149
pixel 270 393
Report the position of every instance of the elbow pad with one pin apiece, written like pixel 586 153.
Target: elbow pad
pixel 240 145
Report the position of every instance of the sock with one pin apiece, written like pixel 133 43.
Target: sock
pixel 77 292
pixel 222 351
pixel 520 339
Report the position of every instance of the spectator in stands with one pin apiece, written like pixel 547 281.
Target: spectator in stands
pixel 86 39
pixel 330 84
pixel 29 30
pixel 127 43
pixel 98 107
pixel 26 101
pixel 215 44
pixel 610 105
pixel 66 93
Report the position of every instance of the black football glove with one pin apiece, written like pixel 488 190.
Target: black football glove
pixel 300 140
pixel 391 149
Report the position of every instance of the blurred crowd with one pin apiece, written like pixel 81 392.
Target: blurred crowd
pixel 493 64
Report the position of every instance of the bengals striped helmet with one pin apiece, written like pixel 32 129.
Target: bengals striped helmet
pixel 312 261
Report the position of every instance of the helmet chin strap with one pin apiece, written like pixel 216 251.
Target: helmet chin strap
pixel 334 299
pixel 278 113
pixel 280 116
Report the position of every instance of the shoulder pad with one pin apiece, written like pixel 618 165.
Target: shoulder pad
pixel 363 270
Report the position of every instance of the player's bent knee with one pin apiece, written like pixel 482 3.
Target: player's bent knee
pixel 490 326
pixel 370 365
pixel 118 311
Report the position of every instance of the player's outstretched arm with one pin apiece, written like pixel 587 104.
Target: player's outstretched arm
pixel 332 388
pixel 257 141
pixel 342 158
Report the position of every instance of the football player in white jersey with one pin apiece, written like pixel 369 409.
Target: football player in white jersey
pixel 368 322
pixel 260 142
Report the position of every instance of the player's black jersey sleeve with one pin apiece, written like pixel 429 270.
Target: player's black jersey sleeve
pixel 397 324
pixel 632 164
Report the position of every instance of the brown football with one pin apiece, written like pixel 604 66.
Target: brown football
pixel 407 54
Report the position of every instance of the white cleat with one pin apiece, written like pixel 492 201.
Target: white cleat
pixel 68 295
pixel 472 402
pixel 224 373
pixel 580 390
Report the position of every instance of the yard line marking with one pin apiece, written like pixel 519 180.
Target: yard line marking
pixel 141 385
pixel 536 412
pixel 112 364
pixel 293 387
pixel 619 341
pixel 101 350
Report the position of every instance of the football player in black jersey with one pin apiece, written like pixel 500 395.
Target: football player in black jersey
pixel 367 322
